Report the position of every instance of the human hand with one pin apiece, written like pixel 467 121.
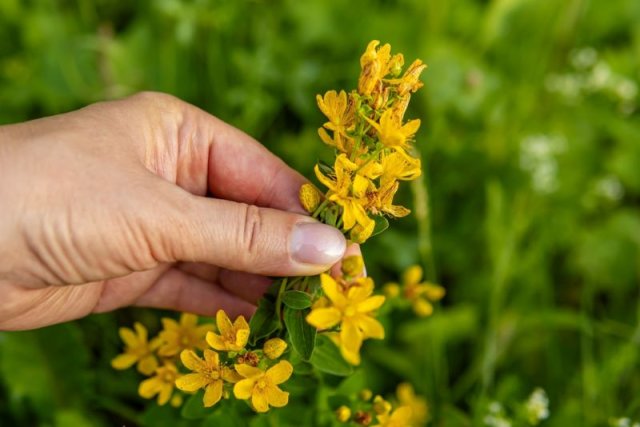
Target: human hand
pixel 106 207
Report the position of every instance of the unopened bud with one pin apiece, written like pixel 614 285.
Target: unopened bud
pixel 274 348
pixel 381 406
pixel 343 414
pixel 309 197
pixel 391 290
pixel 366 394
pixel 352 266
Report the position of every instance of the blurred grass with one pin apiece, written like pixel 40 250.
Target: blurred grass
pixel 531 142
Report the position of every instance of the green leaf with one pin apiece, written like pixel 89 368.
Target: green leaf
pixel 264 321
pixel 301 333
pixel 382 223
pixel 297 300
pixel 327 358
pixel 193 408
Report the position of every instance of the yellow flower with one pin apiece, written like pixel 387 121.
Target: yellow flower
pixel 262 387
pixel 347 192
pixel 419 408
pixel 233 337
pixel 421 295
pixel 392 132
pixel 381 406
pixel 343 414
pixel 376 64
pixel 161 384
pixel 381 201
pixel 338 109
pixel 352 266
pixel 207 373
pixel 137 349
pixel 401 417
pixel 274 348
pixel 185 335
pixel 352 310
pixel 410 81
pixel 398 166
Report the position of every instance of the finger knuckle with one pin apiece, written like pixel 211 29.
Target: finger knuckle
pixel 250 230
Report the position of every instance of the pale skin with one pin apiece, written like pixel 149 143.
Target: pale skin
pixel 146 201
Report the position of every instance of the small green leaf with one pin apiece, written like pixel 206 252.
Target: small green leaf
pixel 264 321
pixel 297 300
pixel 301 333
pixel 382 223
pixel 193 408
pixel 327 358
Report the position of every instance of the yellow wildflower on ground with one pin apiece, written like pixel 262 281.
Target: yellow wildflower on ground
pixel 262 387
pixel 410 81
pixel 161 384
pixel 137 350
pixel 232 337
pixel 352 309
pixel 185 335
pixel 207 373
pixel 420 294
pixel 396 166
pixel 418 404
pixel 400 417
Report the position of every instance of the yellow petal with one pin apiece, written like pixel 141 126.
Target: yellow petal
pixel 360 185
pixel 411 127
pixel 141 331
pixel 277 397
pixel 248 371
pixel 212 394
pixel 242 336
pixel 360 290
pixel 243 389
pixel 223 322
pixel 327 182
pixel 169 324
pixel 324 318
pixel 212 358
pixel 370 327
pixel 350 337
pixel 433 292
pixel 412 275
pixel 165 394
pixel 331 290
pixel 188 320
pixel 191 382
pixel 216 342
pixel 370 304
pixel 191 361
pixel 149 387
pixel 348 215
pixel 259 402
pixel 147 365
pixel 128 337
pixel 123 361
pixel 351 356
pixel 280 372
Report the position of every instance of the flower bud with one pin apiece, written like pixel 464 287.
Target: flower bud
pixel 391 290
pixel 274 348
pixel 343 414
pixel 381 406
pixel 366 395
pixel 309 197
pixel 352 266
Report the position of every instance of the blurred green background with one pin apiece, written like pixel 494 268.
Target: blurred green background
pixel 531 147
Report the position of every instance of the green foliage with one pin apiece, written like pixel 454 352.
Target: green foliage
pixel 530 149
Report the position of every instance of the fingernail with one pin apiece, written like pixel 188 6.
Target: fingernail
pixel 316 243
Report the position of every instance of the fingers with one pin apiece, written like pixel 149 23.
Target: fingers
pixel 177 290
pixel 239 237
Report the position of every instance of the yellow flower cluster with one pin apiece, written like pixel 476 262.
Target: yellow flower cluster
pixel 410 410
pixel 225 365
pixel 420 295
pixel 373 144
pixel 346 311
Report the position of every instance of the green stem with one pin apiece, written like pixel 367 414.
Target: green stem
pixel 421 202
pixel 283 285
pixel 321 207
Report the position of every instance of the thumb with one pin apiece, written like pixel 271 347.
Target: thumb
pixel 243 237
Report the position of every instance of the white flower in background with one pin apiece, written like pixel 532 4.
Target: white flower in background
pixel 609 188
pixel 538 157
pixel 584 58
pixel 622 422
pixel 537 406
pixel 496 416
